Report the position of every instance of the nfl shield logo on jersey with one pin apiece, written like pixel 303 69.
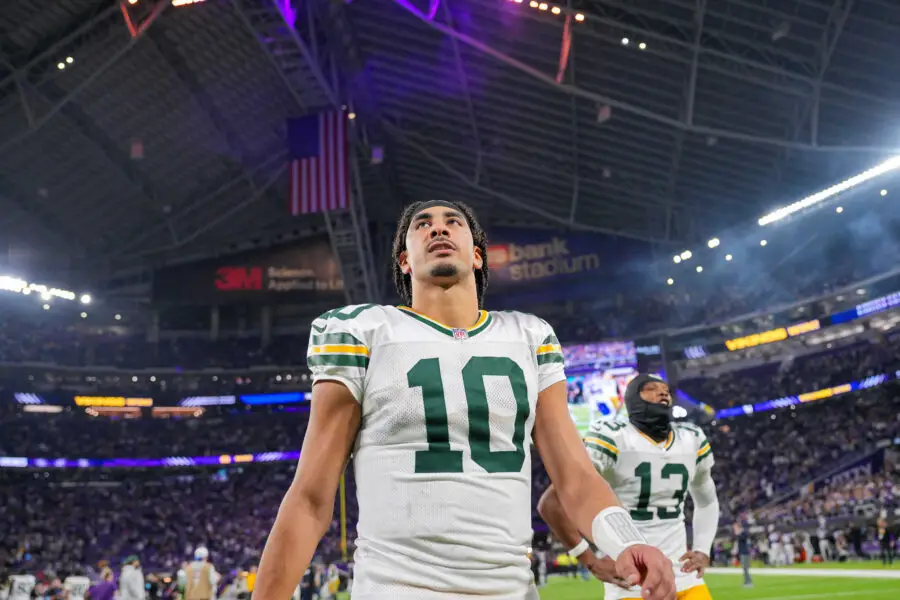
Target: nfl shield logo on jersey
pixel 460 334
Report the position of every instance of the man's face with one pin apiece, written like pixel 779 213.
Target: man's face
pixel 439 246
pixel 656 392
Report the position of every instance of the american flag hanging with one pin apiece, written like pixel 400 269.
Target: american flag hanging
pixel 317 147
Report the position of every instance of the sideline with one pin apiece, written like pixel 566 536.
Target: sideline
pixel 854 573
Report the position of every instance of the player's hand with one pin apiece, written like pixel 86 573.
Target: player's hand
pixel 649 568
pixel 694 561
pixel 603 569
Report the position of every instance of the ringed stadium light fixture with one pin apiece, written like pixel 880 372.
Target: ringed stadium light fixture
pixel 890 164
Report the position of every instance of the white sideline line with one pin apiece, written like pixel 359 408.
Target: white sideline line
pixel 869 593
pixel 856 573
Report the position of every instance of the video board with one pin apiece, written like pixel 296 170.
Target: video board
pixel 597 375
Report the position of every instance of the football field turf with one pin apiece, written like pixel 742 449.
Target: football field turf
pixel 767 585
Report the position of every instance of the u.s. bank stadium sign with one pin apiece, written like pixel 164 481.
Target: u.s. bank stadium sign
pixel 533 258
pixel 295 272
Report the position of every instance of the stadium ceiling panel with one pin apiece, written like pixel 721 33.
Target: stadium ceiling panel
pixel 663 120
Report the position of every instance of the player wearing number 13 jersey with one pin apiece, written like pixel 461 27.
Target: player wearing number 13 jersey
pixel 439 404
pixel 651 464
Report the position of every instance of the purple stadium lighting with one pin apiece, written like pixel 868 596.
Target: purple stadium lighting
pixel 287 12
pixel 433 6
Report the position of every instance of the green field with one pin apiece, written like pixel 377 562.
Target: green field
pixel 768 584
pixel 765 587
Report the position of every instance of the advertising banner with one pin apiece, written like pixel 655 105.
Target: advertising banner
pixel 294 273
pixel 548 264
pixel 870 465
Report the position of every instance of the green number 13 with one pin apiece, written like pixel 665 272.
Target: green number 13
pixel 640 513
pixel 439 458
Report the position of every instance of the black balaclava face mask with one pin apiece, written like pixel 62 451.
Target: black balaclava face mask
pixel 653 419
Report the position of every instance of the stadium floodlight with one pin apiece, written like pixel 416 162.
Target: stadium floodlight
pixel 890 164
pixel 46 307
pixel 676 259
pixel 84 315
pixel 883 193
pixel 763 243
pixel 625 41
pixel 118 317
pixel 728 257
pixel 86 298
pixel 670 281
pixel 699 269
pixel 713 242
pixel 839 209
pixel 686 255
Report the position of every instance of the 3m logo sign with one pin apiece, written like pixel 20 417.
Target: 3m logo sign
pixel 233 279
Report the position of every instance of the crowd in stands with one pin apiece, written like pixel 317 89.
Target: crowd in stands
pixel 61 518
pixel 787 377
pixel 75 435
pixel 764 456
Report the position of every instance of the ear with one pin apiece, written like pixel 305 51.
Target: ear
pixel 478 261
pixel 403 261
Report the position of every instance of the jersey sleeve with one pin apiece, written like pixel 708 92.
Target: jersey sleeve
pixel 550 360
pixel 600 442
pixel 338 351
pixel 705 458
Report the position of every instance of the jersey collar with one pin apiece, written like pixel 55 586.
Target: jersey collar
pixel 484 319
pixel 665 444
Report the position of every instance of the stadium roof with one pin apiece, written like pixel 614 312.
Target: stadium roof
pixel 671 120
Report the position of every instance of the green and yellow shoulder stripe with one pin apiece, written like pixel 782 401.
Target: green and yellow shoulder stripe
pixel 335 340
pixel 704 450
pixel 549 351
pixel 601 443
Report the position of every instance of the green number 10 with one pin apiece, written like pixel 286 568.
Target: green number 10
pixel 439 458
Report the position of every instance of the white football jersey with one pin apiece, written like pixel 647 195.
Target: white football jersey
pixel 21 587
pixel 652 481
pixel 77 586
pixel 442 459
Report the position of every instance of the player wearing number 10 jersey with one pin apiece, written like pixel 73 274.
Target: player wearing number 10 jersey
pixel 651 464
pixel 439 404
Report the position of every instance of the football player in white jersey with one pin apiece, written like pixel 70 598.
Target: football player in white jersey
pixel 21 586
pixel 438 403
pixel 76 585
pixel 651 463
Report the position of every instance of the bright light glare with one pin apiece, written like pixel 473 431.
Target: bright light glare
pixel 839 209
pixel 84 315
pixel 888 165
pixel 61 66
pixel 579 17
pixel 642 46
pixel 728 257
pixel 555 10
pixel 713 242
pixel 46 307
pixel 670 281
pixel 118 317
pixel 86 298
pixel 686 255
pixel 883 193
pixel 625 41
pixel 533 4
pixel 676 259
pixel 542 6
pixel 70 60
pixel 763 242
pixel 699 269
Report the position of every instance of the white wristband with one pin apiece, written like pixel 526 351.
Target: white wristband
pixel 614 531
pixel 579 549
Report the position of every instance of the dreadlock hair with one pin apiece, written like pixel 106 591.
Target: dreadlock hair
pixel 403 282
